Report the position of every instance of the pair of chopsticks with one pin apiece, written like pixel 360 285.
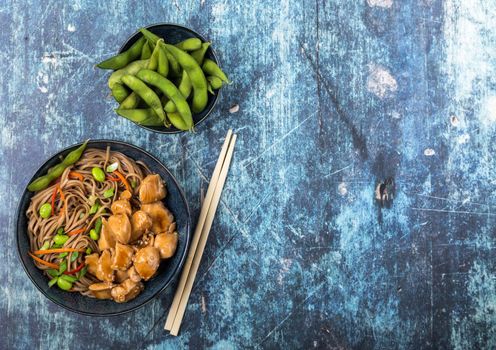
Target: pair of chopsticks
pixel 207 213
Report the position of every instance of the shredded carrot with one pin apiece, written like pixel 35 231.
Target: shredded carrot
pixel 76 231
pixel 54 196
pixel 76 175
pixel 77 269
pixel 124 181
pixel 41 261
pixel 62 198
pixel 57 250
pixel 111 178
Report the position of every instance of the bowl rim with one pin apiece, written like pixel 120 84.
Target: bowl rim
pixel 178 266
pixel 215 58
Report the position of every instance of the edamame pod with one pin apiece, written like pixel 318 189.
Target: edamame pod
pixel 39 184
pixel 56 171
pixel 170 107
pixel 185 85
pixel 195 73
pixel 146 94
pixel 211 68
pixel 145 117
pixel 215 82
pixel 132 101
pixel 178 121
pixel 124 58
pixel 190 44
pixel 199 54
pixel 44 181
pixel 152 38
pixel 131 68
pixel 209 88
pixel 73 156
pixel 171 91
pixel 185 89
pixel 163 63
pixel 146 51
pixel 119 92
pixel 175 68
pixel 153 63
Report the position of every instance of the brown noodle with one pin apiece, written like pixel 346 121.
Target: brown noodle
pixel 79 196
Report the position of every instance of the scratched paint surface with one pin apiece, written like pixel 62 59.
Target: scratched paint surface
pixel 334 97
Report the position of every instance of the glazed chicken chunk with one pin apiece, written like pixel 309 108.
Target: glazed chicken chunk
pixel 121 206
pixel 106 240
pixel 146 262
pixel 166 243
pixel 126 291
pixel 101 290
pixel 120 226
pixel 122 257
pixel 141 222
pixel 152 189
pixel 163 220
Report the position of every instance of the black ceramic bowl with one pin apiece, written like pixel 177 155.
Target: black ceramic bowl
pixel 168 269
pixel 174 33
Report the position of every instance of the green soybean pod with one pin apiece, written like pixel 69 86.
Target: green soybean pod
pixel 146 51
pixel 190 44
pixel 56 171
pixel 153 63
pixel 209 88
pixel 146 117
pixel 145 93
pixel 175 68
pixel 185 89
pixel 171 91
pixel 211 68
pixel 163 63
pixel 131 68
pixel 195 73
pixel 199 54
pixel 119 92
pixel 170 107
pixel 132 101
pixel 185 86
pixel 214 81
pixel 177 120
pixel 124 58
pixel 39 184
pixel 152 38
pixel 73 156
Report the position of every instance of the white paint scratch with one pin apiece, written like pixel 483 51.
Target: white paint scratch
pixel 380 3
pixel 286 264
pixel 380 81
pixel 71 28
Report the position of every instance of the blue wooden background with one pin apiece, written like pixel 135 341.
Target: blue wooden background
pixel 334 96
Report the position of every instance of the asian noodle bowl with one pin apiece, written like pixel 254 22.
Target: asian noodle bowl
pixel 73 213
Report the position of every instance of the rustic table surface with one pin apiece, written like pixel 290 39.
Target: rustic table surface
pixel 340 102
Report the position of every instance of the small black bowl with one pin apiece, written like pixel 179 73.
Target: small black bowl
pixel 174 33
pixel 168 269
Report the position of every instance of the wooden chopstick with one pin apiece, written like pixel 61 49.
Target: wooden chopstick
pixel 203 239
pixel 198 232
